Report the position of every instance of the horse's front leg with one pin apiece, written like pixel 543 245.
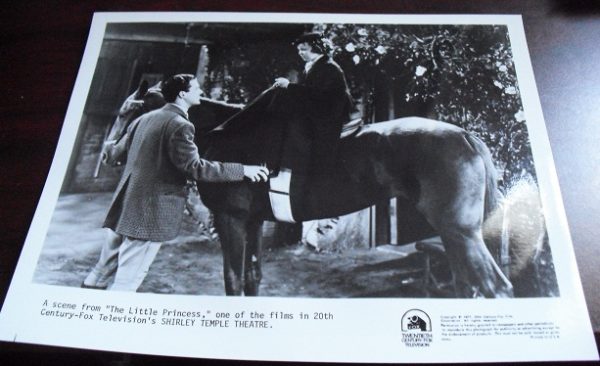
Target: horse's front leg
pixel 253 273
pixel 233 236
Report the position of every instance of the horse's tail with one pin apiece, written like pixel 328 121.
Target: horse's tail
pixel 492 194
pixel 531 263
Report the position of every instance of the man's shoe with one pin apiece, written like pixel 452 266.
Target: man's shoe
pixel 83 285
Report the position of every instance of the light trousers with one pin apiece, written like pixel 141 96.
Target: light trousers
pixel 127 258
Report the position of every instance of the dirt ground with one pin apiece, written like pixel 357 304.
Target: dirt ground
pixel 193 264
pixel 289 272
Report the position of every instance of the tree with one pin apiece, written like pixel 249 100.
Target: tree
pixel 466 72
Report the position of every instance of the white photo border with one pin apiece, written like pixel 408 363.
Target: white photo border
pixel 362 330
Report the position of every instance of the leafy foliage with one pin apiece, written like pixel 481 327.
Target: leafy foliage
pixel 466 73
pixel 463 74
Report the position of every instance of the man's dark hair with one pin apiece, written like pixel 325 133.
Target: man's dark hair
pixel 175 84
pixel 316 41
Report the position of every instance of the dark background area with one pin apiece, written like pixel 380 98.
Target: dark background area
pixel 41 45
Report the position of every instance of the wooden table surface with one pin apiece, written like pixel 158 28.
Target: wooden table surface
pixel 42 44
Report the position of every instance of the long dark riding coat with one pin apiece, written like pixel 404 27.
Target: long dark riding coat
pixel 311 117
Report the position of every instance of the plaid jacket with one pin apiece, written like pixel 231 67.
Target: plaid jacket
pixel 149 201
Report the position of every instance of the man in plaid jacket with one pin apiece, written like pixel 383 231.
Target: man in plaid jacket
pixel 148 205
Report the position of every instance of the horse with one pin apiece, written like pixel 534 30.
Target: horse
pixel 444 172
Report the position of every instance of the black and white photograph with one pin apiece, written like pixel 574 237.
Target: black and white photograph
pixel 395 160
pixel 302 176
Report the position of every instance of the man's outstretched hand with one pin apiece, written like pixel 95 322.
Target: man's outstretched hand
pixel 256 173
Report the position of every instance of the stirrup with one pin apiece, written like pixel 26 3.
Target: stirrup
pixel 279 196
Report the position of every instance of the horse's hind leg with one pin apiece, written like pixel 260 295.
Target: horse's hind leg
pixel 455 207
pixel 253 272
pixel 232 235
pixel 476 272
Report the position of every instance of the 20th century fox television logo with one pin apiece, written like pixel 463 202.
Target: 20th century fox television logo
pixel 416 329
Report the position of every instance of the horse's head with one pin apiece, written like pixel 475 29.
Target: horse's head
pixel 153 98
pixel 142 100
